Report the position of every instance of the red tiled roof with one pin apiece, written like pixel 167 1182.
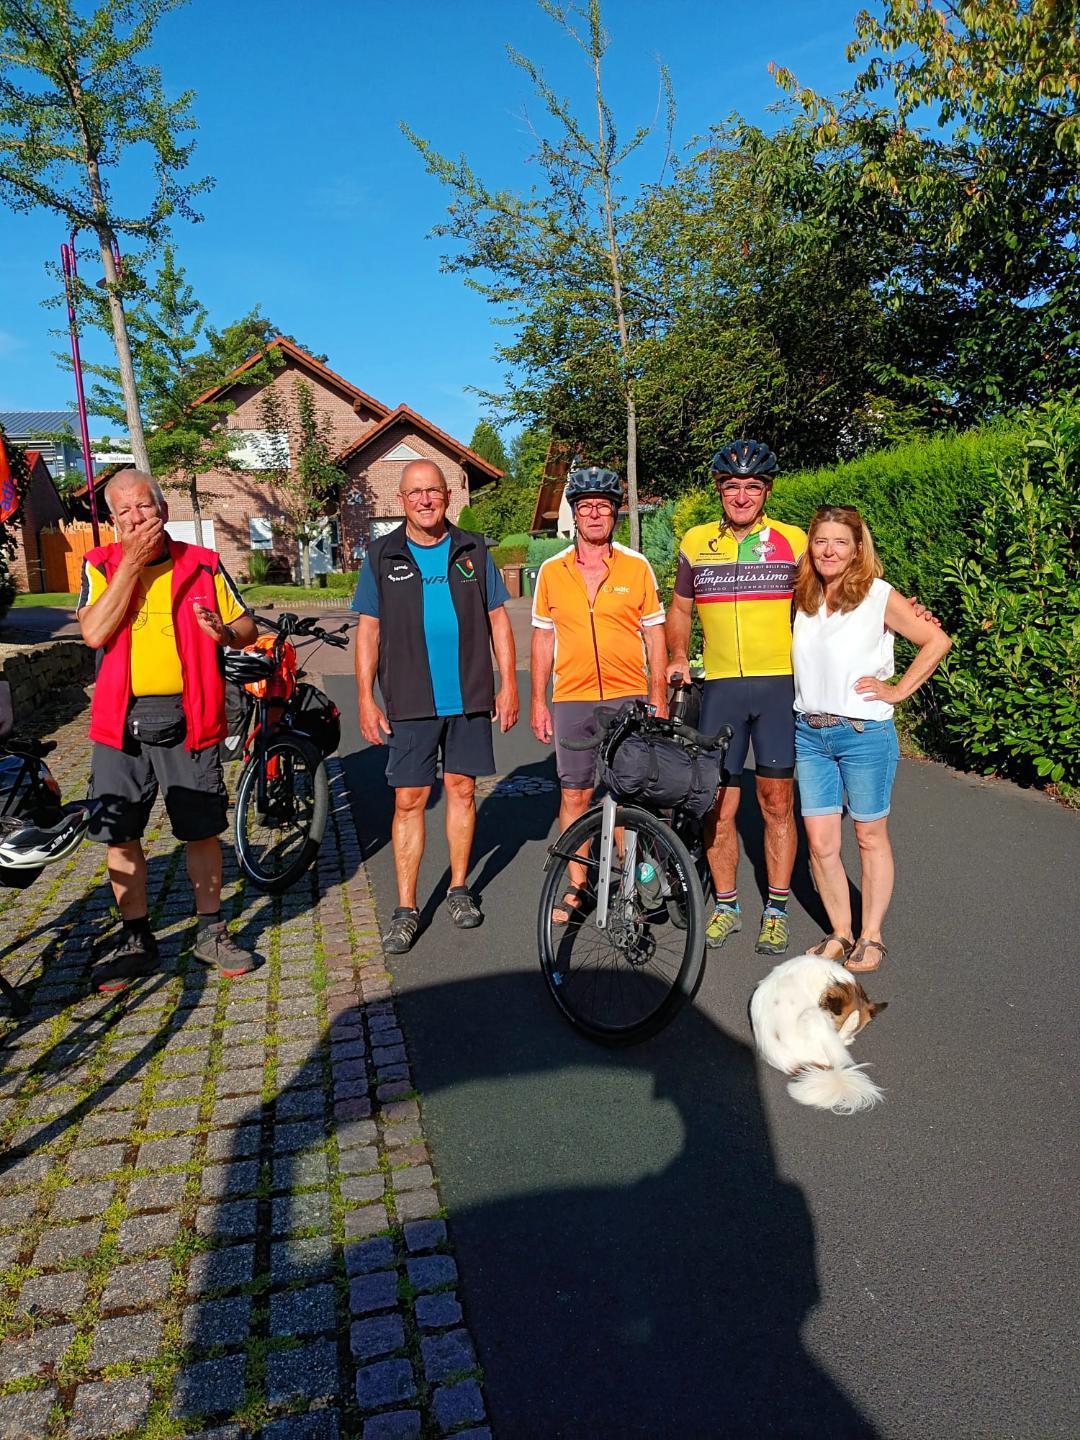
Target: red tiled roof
pixel 306 362
pixel 403 412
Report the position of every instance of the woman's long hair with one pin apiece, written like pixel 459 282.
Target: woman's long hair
pixel 865 566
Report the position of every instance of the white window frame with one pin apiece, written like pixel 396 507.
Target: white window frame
pixel 250 448
pixel 256 542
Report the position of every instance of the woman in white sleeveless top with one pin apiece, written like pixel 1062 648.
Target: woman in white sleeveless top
pixel 845 740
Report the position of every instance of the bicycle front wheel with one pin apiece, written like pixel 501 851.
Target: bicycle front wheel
pixel 277 840
pixel 621 981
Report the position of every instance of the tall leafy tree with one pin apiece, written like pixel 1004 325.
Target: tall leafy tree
pixel 965 122
pixel 177 358
pixel 76 95
pixel 559 260
pixel 486 442
pixel 298 459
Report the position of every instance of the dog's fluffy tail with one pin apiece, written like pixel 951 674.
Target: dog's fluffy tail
pixel 843 1090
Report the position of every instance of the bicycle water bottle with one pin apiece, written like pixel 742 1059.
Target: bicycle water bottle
pixel 648 884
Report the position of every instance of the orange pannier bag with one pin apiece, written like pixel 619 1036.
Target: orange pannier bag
pixel 282 683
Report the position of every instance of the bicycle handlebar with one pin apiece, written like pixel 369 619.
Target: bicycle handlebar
pixel 290 624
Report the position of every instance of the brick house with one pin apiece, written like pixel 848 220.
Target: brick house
pixel 243 511
pixel 42 506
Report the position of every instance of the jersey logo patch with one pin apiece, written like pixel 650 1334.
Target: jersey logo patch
pixel 466 568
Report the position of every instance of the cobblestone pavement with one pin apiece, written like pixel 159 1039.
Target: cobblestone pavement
pixel 218 1215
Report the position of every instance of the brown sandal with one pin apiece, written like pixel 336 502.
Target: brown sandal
pixel 857 962
pixel 572 905
pixel 846 947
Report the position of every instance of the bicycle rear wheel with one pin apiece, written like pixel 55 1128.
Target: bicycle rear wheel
pixel 620 984
pixel 277 843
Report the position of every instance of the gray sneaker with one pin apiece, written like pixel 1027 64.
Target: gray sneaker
pixel 215 946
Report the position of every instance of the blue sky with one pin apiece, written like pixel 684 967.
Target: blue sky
pixel 321 210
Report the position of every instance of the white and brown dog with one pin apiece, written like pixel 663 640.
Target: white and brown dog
pixel 805 1014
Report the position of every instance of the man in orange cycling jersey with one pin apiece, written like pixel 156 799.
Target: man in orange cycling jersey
pixel 740 572
pixel 598 624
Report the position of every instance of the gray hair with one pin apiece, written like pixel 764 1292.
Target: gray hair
pixel 124 478
pixel 431 464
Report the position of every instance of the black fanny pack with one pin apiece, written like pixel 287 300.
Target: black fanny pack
pixel 157 719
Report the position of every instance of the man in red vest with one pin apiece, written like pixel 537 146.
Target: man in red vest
pixel 158 612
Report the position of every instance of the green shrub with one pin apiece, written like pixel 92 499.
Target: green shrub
pixel 516 538
pixel 468 519
pixel 1012 693
pixel 542 547
pixel 509 554
pixel 258 566
pixel 919 499
pixel 658 544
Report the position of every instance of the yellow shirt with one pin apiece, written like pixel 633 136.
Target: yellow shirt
pixel 743 593
pixel 155 660
pixel 599 648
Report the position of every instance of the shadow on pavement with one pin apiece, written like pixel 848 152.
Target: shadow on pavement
pixel 662 1303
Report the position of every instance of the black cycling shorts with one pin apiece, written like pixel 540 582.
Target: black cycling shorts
pixel 759 708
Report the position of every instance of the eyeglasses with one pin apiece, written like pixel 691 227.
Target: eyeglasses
pixel 601 507
pixel 431 490
pixel 754 490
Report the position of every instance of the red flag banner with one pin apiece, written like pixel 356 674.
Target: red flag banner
pixel 9 491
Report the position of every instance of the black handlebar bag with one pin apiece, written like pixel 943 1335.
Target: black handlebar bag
pixel 659 773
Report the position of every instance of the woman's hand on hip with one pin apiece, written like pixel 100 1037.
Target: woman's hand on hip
pixel 871 688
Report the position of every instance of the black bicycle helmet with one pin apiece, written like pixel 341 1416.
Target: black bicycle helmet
pixel 595 481
pixel 246 666
pixel 744 458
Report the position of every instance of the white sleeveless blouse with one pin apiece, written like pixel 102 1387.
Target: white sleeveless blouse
pixel 830 652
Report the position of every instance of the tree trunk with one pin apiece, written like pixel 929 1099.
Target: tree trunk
pixel 305 561
pixel 631 468
pixel 604 168
pixel 196 508
pixel 123 354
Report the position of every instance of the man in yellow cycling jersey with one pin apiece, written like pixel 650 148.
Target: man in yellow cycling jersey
pixel 740 572
pixel 598 625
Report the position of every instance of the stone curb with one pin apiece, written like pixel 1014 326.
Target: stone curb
pixel 218 1212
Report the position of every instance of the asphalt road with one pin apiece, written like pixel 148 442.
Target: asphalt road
pixel 659 1242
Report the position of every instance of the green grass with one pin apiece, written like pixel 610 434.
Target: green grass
pixel 337 585
pixel 55 599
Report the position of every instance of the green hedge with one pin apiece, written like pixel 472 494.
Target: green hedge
pixel 1012 689
pixel 919 499
pixel 509 554
pixel 542 547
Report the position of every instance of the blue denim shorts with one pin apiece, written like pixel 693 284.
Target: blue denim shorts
pixel 839 761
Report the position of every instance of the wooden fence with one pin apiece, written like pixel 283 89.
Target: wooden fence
pixel 62 550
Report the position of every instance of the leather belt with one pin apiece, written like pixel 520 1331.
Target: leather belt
pixel 824 722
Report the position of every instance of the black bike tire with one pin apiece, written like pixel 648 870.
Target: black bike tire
pixel 693 964
pixel 309 753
